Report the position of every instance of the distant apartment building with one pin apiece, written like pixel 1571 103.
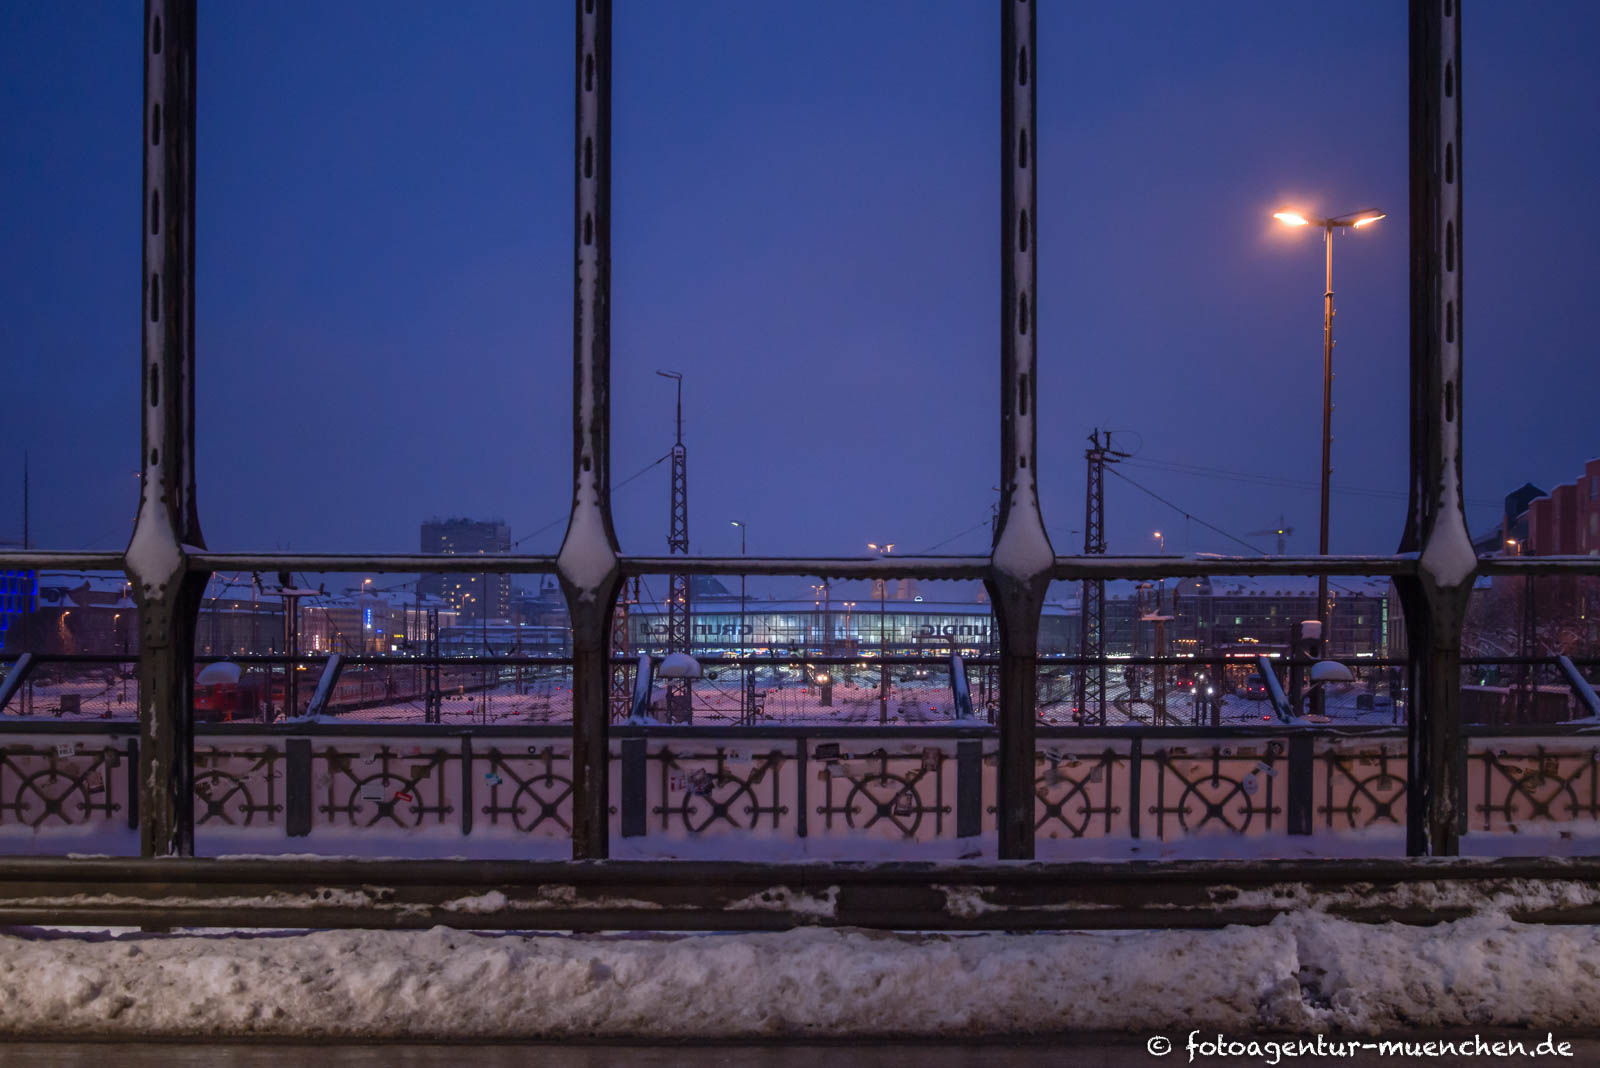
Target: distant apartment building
pixel 472 596
pixel 1567 521
pixel 1553 614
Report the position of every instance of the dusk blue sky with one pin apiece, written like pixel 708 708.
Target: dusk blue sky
pixel 806 203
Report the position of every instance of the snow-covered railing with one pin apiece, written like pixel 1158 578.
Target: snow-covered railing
pixel 254 892
pixel 840 793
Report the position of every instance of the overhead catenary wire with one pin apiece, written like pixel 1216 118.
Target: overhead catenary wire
pixel 1210 526
pixel 980 524
pixel 1185 512
pixel 1253 478
pixel 562 519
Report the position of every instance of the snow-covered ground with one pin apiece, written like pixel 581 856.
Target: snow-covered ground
pixel 1305 972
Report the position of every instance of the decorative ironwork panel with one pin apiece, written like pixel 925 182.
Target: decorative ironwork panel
pixel 238 785
pixel 529 787
pixel 701 789
pixel 1511 786
pixel 899 795
pixel 67 783
pixel 1211 788
pixel 1082 792
pixel 1362 786
pixel 394 787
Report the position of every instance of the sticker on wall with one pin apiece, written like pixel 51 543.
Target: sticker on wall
pixel 930 759
pixel 905 802
pixel 421 771
pixel 491 778
pixel 701 783
pixel 403 795
pixel 372 791
pixel 1250 784
pixel 1263 768
pixel 827 751
pixel 734 756
pixel 95 781
pixel 65 750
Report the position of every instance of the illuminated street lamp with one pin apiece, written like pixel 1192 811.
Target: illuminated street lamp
pixel 1161 541
pixel 1353 221
pixel 744 678
pixel 883 635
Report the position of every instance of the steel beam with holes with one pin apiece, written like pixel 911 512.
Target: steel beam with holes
pixel 166 587
pixel 587 564
pixel 1022 560
pixel 1435 596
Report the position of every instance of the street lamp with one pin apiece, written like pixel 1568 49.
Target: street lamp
pixel 883 635
pixel 744 678
pixel 1161 542
pixel 1353 221
pixel 364 584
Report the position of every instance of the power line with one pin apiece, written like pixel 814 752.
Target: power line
pixel 1184 512
pixel 637 474
pixel 976 526
pixel 1273 480
pixel 1202 522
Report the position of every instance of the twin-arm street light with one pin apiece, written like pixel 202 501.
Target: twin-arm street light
pixel 1353 221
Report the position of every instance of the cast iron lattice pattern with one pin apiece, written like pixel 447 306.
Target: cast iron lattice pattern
pixel 1227 788
pixel 539 783
pixel 237 785
pixel 387 786
pixel 1558 785
pixel 64 784
pixel 1364 788
pixel 702 789
pixel 1070 788
pixel 889 792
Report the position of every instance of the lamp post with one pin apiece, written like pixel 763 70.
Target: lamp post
pixel 1353 221
pixel 744 676
pixel 883 635
pixel 364 584
pixel 1161 542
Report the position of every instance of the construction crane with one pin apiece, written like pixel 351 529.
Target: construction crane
pixel 1282 531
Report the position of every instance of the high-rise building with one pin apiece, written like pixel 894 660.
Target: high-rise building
pixel 472 595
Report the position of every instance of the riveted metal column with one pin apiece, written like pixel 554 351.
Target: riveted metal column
pixel 1435 600
pixel 167 523
pixel 1020 566
pixel 587 564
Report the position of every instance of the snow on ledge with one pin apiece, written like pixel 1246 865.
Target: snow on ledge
pixel 1304 972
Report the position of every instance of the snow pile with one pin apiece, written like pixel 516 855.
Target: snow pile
pixel 1304 972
